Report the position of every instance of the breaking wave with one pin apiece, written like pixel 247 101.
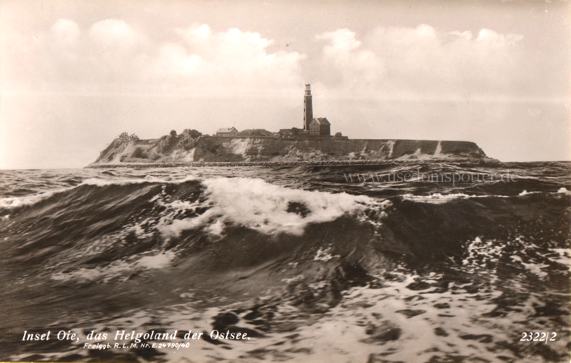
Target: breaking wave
pixel 264 207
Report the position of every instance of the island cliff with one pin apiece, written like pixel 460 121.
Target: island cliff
pixel 191 146
pixel 312 143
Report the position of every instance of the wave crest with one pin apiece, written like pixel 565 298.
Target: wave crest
pixel 265 207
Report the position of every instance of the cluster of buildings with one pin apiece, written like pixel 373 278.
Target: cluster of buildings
pixel 318 127
pixel 227 131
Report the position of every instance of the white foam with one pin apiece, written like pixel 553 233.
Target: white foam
pixel 17 202
pixel 91 274
pixel 324 255
pixel 128 181
pixel 525 192
pixel 160 260
pixel 258 205
pixel 437 198
pixel 563 190
pixel 438 151
pixel 564 256
pixel 341 334
pixel 294 280
pixel 536 268
pixel 118 269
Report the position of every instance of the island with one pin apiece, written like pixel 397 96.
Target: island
pixel 313 143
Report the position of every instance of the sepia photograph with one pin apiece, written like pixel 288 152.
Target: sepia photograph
pixel 318 181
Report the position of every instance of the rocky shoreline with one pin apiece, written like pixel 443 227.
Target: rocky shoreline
pixel 192 148
pixel 485 161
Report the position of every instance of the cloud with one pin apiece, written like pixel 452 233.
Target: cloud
pixel 118 57
pixel 491 38
pixel 419 61
pixel 174 60
pixel 65 31
pixel 353 65
pixel 384 62
pixel 341 40
pixel 232 57
pixel 114 33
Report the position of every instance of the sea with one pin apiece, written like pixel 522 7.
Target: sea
pixel 416 261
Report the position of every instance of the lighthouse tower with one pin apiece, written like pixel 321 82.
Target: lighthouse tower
pixel 307 107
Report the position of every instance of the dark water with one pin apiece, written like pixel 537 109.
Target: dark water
pixel 316 264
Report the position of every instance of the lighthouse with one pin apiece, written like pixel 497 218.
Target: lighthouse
pixel 307 107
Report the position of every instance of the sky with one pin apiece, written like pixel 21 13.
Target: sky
pixel 75 74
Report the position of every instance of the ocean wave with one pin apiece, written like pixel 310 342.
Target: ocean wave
pixel 520 253
pixel 318 273
pixel 265 207
pixel 438 198
pixel 143 180
pixel 121 269
pixel 27 200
